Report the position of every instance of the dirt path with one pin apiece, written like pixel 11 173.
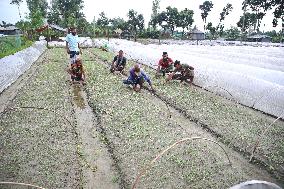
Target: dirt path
pixel 98 171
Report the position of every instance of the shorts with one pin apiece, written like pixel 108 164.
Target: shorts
pixel 73 53
pixel 139 81
pixel 77 78
pixel 117 68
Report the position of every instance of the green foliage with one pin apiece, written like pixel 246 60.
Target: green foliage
pixel 185 19
pixel 38 5
pixel 8 45
pixel 155 12
pixel 277 5
pixel 154 34
pixel 276 37
pixel 233 33
pixel 66 13
pixel 206 8
pixel 226 11
pixel 135 22
pixel 102 21
pixel 248 20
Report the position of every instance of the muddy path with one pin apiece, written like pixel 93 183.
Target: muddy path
pixel 137 133
pixel 48 132
pixel 97 171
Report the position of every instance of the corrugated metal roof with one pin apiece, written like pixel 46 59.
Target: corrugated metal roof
pixel 258 36
pixel 9 28
pixel 57 27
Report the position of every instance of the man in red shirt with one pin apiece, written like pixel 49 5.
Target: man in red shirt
pixel 165 64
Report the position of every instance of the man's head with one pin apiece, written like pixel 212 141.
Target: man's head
pixel 78 62
pixel 120 53
pixel 177 64
pixel 73 31
pixel 165 55
pixel 137 69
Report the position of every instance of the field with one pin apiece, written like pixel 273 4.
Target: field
pixel 58 135
pixel 11 44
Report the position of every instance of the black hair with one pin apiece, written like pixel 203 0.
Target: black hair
pixel 176 63
pixel 164 53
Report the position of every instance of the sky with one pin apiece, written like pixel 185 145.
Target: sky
pixel 119 8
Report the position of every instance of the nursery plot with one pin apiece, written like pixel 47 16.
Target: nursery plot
pixel 39 146
pixel 136 126
pixel 236 125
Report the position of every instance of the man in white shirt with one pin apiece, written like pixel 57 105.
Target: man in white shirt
pixel 72 44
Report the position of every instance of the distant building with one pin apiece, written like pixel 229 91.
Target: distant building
pixel 259 38
pixel 196 34
pixel 10 30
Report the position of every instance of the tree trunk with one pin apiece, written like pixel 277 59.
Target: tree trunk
pixel 19 12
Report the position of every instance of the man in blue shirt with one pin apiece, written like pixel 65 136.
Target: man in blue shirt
pixel 136 78
pixel 72 44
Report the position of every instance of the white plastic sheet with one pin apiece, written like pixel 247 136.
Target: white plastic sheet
pixel 15 65
pixel 252 75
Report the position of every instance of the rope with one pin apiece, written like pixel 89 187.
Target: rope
pixel 167 149
pixel 21 184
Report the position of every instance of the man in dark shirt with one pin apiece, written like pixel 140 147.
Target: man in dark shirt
pixel 118 63
pixel 182 72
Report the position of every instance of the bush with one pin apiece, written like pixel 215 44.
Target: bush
pixel 10 45
pixel 149 34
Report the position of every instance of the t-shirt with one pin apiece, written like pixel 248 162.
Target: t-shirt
pixel 166 63
pixel 121 61
pixel 72 42
pixel 185 69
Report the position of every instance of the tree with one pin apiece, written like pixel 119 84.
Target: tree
pixel 162 17
pixel 155 12
pixel 38 5
pixel 5 24
pixel 17 2
pixel 226 11
pixel 118 23
pixel 247 21
pixel 257 9
pixel 172 18
pixel 66 13
pixel 213 30
pixel 185 19
pixel 135 21
pixel 206 8
pixel 277 5
pixel 102 20
pixel 233 33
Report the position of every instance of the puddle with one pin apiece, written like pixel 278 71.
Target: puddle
pixel 77 97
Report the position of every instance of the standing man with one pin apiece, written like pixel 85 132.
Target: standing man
pixel 118 63
pixel 165 64
pixel 72 44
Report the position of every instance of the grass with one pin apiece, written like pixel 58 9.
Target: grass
pixel 10 45
pixel 236 125
pixel 137 127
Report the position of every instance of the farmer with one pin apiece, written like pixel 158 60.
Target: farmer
pixel 118 63
pixel 165 64
pixel 72 44
pixel 77 72
pixel 182 72
pixel 136 78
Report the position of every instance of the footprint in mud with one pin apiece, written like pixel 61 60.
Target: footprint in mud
pixel 77 97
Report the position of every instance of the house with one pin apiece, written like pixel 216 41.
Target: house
pixel 10 30
pixel 259 38
pixel 196 34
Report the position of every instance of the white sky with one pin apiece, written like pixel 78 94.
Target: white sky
pixel 119 8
